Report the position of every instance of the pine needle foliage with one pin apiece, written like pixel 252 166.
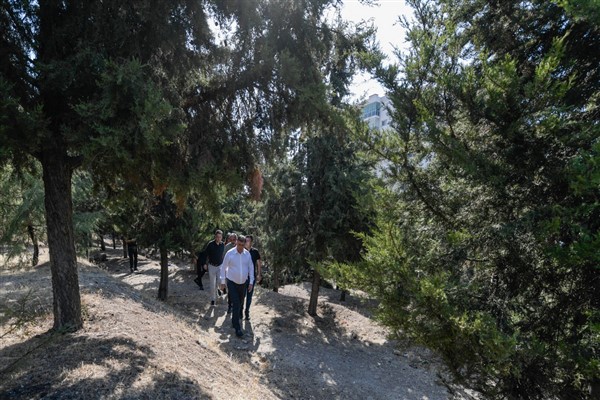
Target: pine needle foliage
pixel 487 247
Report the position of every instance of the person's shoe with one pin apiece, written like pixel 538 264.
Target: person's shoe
pixel 135 269
pixel 239 333
pixel 212 302
pixel 219 292
pixel 131 269
pixel 201 287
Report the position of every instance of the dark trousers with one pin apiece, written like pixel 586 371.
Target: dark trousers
pixel 200 271
pixel 249 295
pixel 132 251
pixel 236 294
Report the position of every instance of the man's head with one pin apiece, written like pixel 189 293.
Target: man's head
pixel 249 241
pixel 232 237
pixel 241 242
pixel 218 236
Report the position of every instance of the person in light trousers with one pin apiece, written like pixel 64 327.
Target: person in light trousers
pixel 214 256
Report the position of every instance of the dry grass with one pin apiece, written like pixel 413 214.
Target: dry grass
pixel 135 347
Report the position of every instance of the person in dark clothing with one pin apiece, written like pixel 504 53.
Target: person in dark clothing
pixel 124 241
pixel 257 263
pixel 200 271
pixel 214 255
pixel 132 252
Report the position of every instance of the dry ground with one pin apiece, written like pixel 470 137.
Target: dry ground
pixel 133 346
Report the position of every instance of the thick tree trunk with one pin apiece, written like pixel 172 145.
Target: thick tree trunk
pixel 163 287
pixel 36 247
pixel 314 293
pixel 57 173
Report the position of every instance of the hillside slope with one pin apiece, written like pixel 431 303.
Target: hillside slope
pixel 134 346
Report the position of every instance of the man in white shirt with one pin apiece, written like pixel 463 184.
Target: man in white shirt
pixel 231 240
pixel 236 270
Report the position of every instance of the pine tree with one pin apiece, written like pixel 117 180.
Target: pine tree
pixel 489 251
pixel 317 212
pixel 145 93
pixel 21 211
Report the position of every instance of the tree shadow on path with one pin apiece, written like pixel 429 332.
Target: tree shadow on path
pixel 61 366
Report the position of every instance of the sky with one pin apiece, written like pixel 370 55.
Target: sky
pixel 389 35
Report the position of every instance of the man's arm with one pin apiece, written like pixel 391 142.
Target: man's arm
pixel 207 251
pixel 259 270
pixel 258 266
pixel 250 266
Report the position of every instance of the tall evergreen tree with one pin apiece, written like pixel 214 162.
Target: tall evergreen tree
pixel 493 259
pixel 317 212
pixel 21 211
pixel 144 92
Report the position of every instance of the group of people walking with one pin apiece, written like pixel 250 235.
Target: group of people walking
pixel 233 267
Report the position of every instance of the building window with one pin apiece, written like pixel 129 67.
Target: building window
pixel 371 110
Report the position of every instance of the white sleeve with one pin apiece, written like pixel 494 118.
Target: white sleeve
pixel 223 271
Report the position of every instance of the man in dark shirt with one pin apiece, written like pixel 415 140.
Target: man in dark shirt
pixel 214 256
pixel 257 273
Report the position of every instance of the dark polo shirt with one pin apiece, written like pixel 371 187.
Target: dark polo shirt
pixel 215 252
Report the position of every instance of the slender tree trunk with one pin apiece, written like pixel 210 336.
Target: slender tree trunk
pixel 57 173
pixel 275 278
pixel 163 287
pixel 36 247
pixel 316 284
pixel 102 245
pixel 314 293
pixel 343 296
pixel 114 242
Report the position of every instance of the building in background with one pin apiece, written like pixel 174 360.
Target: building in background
pixel 375 112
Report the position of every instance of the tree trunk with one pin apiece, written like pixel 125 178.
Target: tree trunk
pixel 112 235
pixel 320 251
pixel 36 247
pixel 57 173
pixel 343 296
pixel 314 293
pixel 163 287
pixel 275 278
pixel 102 245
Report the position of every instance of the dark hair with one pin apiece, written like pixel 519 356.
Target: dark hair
pixel 241 238
pixel 250 237
pixel 218 231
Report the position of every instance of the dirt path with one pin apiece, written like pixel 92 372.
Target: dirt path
pixel 133 346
